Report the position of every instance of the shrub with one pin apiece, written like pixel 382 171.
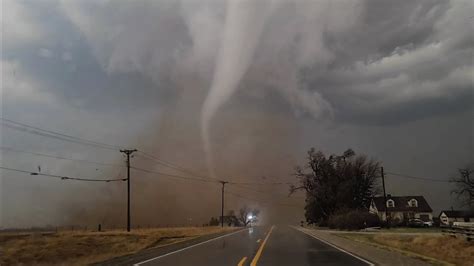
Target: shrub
pixel 397 222
pixel 214 221
pixel 353 220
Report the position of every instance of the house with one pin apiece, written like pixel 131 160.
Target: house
pixel 447 218
pixel 400 209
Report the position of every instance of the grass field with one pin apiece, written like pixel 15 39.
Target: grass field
pixel 440 248
pixel 85 247
pixel 411 230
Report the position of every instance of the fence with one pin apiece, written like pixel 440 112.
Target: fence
pixel 461 229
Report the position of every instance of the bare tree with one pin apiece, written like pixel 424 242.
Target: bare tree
pixel 231 218
pixel 465 186
pixel 244 215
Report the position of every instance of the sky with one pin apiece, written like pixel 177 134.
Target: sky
pixel 233 90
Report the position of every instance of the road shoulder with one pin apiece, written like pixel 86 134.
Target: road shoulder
pixel 374 254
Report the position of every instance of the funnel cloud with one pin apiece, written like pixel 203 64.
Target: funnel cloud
pixel 231 90
pixel 243 26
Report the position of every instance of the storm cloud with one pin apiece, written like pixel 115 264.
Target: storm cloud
pixel 392 80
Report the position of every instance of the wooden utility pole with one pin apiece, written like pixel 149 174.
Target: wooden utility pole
pixel 128 153
pixel 222 203
pixel 384 196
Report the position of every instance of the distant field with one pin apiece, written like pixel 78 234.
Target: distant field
pixel 439 247
pixel 85 247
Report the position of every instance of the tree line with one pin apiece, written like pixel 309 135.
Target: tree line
pixel 341 187
pixel 244 217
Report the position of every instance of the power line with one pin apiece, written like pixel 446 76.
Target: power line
pixel 419 178
pixel 111 164
pixel 65 137
pixel 57 157
pixel 61 136
pixel 194 179
pixel 263 178
pixel 268 192
pixel 56 135
pixel 62 177
pixel 175 176
pixel 262 201
pixel 195 176
pixel 185 170
pixel 168 164
pixel 262 183
pixel 43 134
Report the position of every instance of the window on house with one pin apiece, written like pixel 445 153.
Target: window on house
pixel 390 203
pixel 413 203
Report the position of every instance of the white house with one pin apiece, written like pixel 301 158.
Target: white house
pixel 447 218
pixel 401 208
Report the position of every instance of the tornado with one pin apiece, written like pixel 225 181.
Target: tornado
pixel 243 26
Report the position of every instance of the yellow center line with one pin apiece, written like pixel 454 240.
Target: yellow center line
pixel 260 250
pixel 242 261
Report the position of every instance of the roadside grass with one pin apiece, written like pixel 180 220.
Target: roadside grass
pixel 438 250
pixel 414 230
pixel 411 230
pixel 86 247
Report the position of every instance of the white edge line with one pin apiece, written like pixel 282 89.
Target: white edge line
pixel 179 250
pixel 336 247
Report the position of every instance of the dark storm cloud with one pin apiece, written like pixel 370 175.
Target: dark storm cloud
pixel 322 57
pixel 331 74
pixel 404 63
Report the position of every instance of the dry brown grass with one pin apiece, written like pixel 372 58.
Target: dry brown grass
pixel 442 248
pixel 83 247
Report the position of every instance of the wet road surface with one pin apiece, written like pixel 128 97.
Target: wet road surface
pixel 263 246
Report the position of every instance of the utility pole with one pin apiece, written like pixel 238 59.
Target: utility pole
pixel 384 196
pixel 222 203
pixel 128 153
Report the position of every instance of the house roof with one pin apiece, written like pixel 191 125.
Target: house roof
pixel 458 214
pixel 401 204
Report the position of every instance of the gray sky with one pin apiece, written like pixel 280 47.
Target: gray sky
pixel 390 79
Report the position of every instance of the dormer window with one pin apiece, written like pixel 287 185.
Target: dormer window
pixel 413 203
pixel 390 203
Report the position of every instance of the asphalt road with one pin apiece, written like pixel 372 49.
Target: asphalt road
pixel 263 246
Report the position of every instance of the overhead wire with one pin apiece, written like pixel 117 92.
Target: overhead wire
pixel 174 175
pixel 169 165
pixel 56 135
pixel 261 201
pixel 61 176
pixel 195 177
pixel 9 149
pixel 267 192
pixel 192 173
pixel 260 183
pixel 65 137
pixel 419 178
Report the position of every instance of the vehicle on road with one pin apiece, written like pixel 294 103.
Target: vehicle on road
pixel 419 223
